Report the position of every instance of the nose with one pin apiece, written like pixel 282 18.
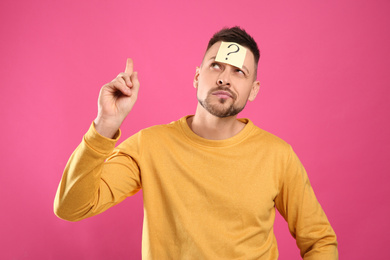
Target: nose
pixel 224 78
pixel 221 82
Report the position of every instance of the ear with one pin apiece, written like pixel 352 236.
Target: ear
pixel 254 90
pixel 196 77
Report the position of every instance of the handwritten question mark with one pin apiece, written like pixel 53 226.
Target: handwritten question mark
pixel 238 49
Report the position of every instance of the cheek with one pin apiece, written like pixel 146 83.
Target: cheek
pixel 245 92
pixel 209 76
pixel 204 79
pixel 201 91
pixel 205 83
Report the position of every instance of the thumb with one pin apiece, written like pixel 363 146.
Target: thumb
pixel 129 66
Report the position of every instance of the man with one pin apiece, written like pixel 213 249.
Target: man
pixel 210 181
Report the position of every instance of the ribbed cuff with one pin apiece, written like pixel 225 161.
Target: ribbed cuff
pixel 100 143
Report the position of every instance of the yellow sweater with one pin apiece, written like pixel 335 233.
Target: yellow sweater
pixel 203 199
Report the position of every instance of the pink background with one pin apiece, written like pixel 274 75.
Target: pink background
pixel 325 89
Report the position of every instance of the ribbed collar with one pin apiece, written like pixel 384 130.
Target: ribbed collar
pixel 244 133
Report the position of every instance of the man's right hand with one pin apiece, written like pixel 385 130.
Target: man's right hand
pixel 116 99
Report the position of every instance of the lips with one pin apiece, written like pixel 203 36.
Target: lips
pixel 223 94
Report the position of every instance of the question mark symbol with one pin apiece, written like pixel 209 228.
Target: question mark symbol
pixel 238 49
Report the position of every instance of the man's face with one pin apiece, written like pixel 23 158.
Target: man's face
pixel 223 89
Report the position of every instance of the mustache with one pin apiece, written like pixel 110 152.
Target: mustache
pixel 222 88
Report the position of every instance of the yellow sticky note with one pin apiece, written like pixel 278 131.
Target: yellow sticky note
pixel 231 53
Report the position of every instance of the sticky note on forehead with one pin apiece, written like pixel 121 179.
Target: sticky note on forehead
pixel 231 53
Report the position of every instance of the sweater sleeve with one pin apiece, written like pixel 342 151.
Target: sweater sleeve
pixel 95 178
pixel 306 219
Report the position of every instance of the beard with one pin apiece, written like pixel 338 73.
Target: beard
pixel 219 108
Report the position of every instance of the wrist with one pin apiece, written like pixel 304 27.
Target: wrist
pixel 106 128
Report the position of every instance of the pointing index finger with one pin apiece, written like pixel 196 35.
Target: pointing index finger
pixel 129 66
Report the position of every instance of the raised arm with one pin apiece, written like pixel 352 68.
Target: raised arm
pixel 90 183
pixel 116 99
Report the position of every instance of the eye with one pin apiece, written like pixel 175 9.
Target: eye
pixel 215 65
pixel 240 72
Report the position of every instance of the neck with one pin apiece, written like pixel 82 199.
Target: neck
pixel 211 127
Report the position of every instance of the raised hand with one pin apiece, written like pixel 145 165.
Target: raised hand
pixel 116 99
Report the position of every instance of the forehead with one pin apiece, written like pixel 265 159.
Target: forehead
pixel 249 60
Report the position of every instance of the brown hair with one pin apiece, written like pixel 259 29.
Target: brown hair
pixel 238 35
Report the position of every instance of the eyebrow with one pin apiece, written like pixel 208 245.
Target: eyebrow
pixel 243 66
